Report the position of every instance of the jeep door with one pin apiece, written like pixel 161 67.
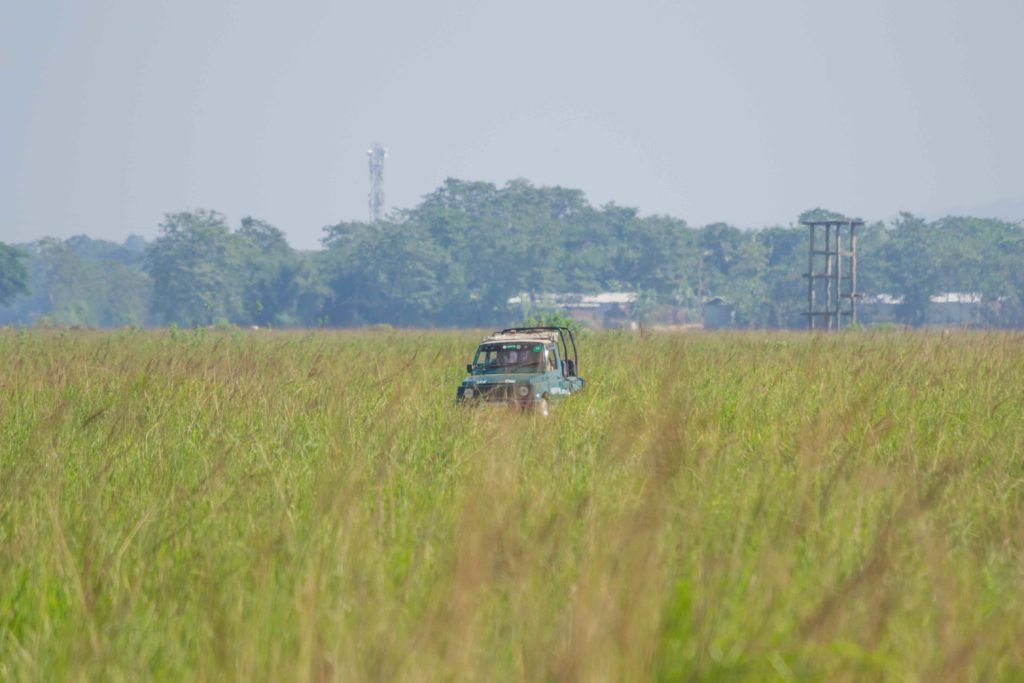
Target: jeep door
pixel 557 387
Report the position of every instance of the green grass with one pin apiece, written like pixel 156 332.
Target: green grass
pixel 276 506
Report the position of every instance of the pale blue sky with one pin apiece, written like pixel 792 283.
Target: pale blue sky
pixel 750 112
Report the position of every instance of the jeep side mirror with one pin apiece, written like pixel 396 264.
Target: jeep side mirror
pixel 469 368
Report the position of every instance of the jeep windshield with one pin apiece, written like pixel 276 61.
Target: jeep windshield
pixel 509 357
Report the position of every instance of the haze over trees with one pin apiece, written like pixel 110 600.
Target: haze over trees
pixel 457 257
pixel 13 275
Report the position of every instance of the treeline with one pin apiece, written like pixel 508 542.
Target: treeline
pixel 457 258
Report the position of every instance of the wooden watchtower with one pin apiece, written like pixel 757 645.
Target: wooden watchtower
pixel 831 273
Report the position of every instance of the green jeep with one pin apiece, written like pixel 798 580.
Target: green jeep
pixel 529 367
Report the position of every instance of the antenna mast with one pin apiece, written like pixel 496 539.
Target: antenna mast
pixel 377 154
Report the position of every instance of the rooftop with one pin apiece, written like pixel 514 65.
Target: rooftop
pixel 539 336
pixel 955 298
pixel 576 300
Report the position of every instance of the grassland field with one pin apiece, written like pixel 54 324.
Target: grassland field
pixel 207 505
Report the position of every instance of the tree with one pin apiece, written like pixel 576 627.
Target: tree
pixel 921 259
pixel 13 274
pixel 467 248
pixel 746 287
pixel 820 214
pixel 785 288
pixel 93 288
pixel 393 273
pixel 272 277
pixel 194 270
pixel 82 281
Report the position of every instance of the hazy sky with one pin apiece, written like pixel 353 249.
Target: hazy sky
pixel 116 112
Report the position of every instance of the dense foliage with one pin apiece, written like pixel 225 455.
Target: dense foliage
pixel 13 274
pixel 457 258
pixel 207 505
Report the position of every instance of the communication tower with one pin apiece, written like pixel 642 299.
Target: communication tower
pixel 377 154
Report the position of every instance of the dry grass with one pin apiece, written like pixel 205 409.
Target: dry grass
pixel 273 506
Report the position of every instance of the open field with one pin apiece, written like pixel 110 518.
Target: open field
pixel 286 505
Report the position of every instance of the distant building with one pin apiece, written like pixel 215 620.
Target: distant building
pixel 947 308
pixel 603 311
pixel 718 313
pixel 953 308
pixel 879 308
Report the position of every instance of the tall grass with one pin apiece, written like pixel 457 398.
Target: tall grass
pixel 312 506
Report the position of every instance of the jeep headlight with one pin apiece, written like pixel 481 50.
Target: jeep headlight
pixel 523 390
pixel 468 393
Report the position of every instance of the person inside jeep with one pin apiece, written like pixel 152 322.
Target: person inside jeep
pixel 509 358
pixel 552 358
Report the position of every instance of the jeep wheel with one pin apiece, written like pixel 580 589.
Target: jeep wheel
pixel 542 407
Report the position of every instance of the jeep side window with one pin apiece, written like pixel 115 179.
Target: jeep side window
pixel 552 355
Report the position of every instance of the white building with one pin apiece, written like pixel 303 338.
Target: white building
pixel 605 310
